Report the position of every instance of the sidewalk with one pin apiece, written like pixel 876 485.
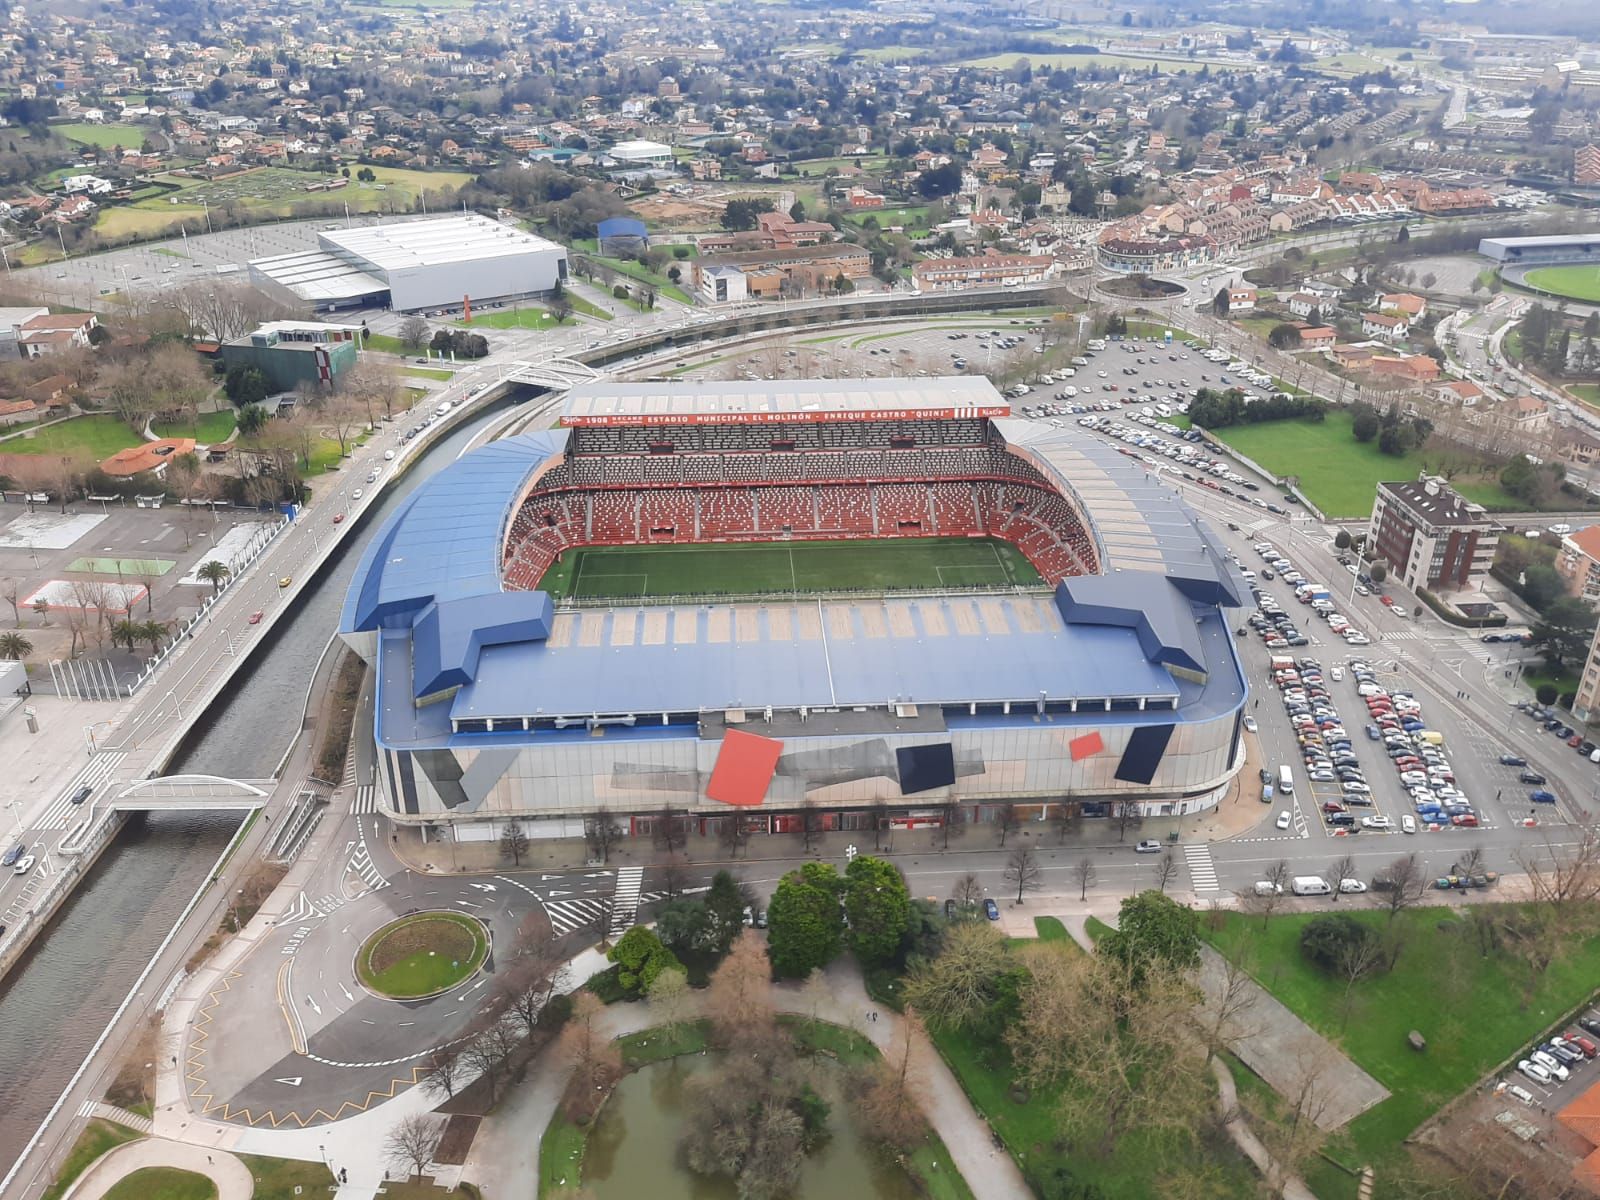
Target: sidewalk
pixel 504 1160
pixel 230 1176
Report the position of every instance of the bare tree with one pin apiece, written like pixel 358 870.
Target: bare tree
pixel 888 1106
pixel 1083 874
pixel 412 1140
pixel 1355 960
pixel 513 842
pixel 732 835
pixel 1126 813
pixel 1166 869
pixel 1470 863
pixel 1402 884
pixel 817 993
pixel 1007 821
pixel 531 975
pixel 1344 867
pixel 810 822
pixel 1067 813
pixel 739 999
pixel 968 892
pixel 593 1057
pixel 1230 996
pixel 1022 869
pixel 11 591
pixel 487 1050
pixel 1563 876
pixel 668 831
pixel 413 332
pixel 878 814
pixel 602 832
pixel 439 1076
pixel 672 875
pixel 956 987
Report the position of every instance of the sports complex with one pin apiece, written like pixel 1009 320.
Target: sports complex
pixel 881 600
pixel 1566 265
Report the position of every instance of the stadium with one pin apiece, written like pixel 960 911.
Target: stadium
pixel 875 601
pixel 1563 265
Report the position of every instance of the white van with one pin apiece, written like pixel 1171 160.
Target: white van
pixel 1310 885
pixel 1286 780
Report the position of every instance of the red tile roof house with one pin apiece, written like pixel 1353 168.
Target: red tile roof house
pixel 146 456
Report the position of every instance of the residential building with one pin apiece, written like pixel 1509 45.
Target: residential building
pixel 1318 337
pixel 1382 325
pixel 151 457
pixel 1241 299
pixel 1430 536
pixel 1586 166
pixel 1413 308
pixel 1578 563
pixel 1303 304
pixel 983 270
pixel 53 333
pixel 290 353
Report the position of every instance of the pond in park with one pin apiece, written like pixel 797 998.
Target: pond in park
pixel 633 1149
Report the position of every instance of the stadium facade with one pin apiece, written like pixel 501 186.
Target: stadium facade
pixel 414 266
pixel 1541 251
pixel 1116 681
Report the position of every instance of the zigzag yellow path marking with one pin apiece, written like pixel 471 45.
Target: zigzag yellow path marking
pixel 208 1103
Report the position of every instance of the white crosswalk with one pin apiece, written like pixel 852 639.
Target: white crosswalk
pixel 99 769
pixel 1202 871
pixel 1403 635
pixel 567 915
pixel 1258 526
pixel 365 801
pixel 305 909
pixel 625 906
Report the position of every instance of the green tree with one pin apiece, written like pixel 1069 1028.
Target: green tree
pixel 805 921
pixel 1341 540
pixel 724 910
pixel 244 385
pixel 1283 337
pixel 1563 632
pixel 126 633
pixel 1154 928
pixel 878 904
pixel 1219 302
pixel 214 572
pixel 686 924
pixel 252 419
pixel 742 214
pixel 641 957
pixel 154 632
pixel 14 645
pixel 1363 422
pixel 1327 939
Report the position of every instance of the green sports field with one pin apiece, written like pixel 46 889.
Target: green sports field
pixel 1581 283
pixel 122 566
pixel 747 568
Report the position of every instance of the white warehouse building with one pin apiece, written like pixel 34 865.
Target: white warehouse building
pixel 412 266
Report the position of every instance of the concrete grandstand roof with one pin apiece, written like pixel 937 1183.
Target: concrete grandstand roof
pixel 698 401
pixel 316 275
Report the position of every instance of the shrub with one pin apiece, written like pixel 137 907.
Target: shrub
pixel 619 292
pixel 1333 938
pixel 1545 693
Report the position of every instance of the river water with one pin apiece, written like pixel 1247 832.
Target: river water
pixel 54 1004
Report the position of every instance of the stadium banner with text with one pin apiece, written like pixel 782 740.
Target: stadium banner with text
pixel 779 418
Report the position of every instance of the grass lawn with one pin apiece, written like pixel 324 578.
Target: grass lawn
pixel 421 1189
pixel 97 1137
pixel 1032 1134
pixel 430 373
pixel 589 308
pixel 212 427
pixel 129 137
pixel 802 567
pixel 1338 473
pixel 1589 393
pixel 99 435
pixel 1470 1009
pixel 1535 677
pixel 1579 282
pixel 910 215
pixel 560 1155
pixel 163 1183
pixel 422 954
pixel 1050 929
pixel 287 1178
pixel 533 317
pixel 1082 62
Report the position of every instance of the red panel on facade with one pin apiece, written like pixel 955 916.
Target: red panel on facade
pixel 745 766
pixel 1083 747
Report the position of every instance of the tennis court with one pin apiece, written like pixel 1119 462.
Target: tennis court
pixel 122 566
pixel 802 567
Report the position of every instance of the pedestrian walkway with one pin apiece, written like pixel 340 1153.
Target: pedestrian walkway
pixel 625 901
pixel 1202 871
pixel 365 802
pixel 117 1116
pixel 228 1175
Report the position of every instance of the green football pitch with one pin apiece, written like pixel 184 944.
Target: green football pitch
pixel 1580 282
pixel 747 568
pixel 122 566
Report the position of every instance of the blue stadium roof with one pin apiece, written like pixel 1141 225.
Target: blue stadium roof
pixel 1149 629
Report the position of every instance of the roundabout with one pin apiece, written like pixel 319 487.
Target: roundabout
pixel 422 955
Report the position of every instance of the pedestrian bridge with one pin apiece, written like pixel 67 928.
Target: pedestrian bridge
pixel 170 793
pixel 557 374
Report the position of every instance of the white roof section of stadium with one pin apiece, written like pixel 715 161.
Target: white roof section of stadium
pixel 317 275
pixel 691 401
pixel 1546 240
pixel 434 242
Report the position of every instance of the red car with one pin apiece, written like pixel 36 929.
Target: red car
pixel 337 517
pixel 1575 740
pixel 1582 1043
pixel 255 617
pixel 1465 820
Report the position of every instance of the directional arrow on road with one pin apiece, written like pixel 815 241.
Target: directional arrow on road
pixel 484 887
pixel 556 894
pixel 292 1081
pixel 598 875
pixel 315 1007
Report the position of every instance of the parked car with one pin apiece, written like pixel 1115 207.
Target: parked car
pixel 1534 1071
pixel 1148 846
pixel 1542 797
pixel 1513 760
pixel 1352 887
pixel 1531 777
pixel 1283 819
pixel 991 909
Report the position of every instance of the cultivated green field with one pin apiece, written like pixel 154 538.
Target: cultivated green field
pixel 129 137
pixel 1581 283
pixel 800 567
